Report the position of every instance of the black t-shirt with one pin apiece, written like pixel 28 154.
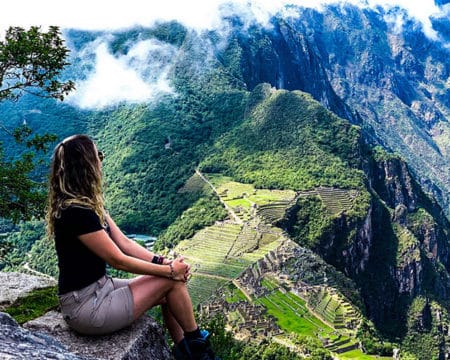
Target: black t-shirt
pixel 78 266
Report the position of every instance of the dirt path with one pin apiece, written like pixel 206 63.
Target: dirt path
pixel 233 215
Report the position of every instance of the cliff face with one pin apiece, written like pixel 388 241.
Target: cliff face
pixel 396 252
pixel 402 246
pixel 392 181
pixel 284 57
pixel 420 226
pixel 357 254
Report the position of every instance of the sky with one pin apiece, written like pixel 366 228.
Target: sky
pixel 201 14
pixel 118 78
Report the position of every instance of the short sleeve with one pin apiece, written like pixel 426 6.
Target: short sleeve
pixel 81 220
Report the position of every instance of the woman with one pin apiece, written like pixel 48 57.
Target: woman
pixel 86 239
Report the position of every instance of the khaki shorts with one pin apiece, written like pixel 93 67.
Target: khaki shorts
pixel 100 308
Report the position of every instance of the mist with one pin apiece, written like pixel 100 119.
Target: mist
pixel 142 74
pixel 139 76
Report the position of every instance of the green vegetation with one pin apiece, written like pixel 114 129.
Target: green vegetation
pixel 292 314
pixel 152 152
pixel 359 355
pixel 379 154
pixel 30 62
pixel 20 243
pixel 372 342
pixel 204 212
pixel 423 336
pixel 33 305
pixel 311 148
pixel 408 246
pixel 234 295
pixel 42 257
pixel 312 222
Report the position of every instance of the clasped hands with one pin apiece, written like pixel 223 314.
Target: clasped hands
pixel 181 270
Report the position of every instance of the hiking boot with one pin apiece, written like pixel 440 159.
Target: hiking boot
pixel 195 349
pixel 181 351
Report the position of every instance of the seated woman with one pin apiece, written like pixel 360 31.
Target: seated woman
pixel 86 239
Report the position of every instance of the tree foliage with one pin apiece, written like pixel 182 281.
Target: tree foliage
pixel 30 62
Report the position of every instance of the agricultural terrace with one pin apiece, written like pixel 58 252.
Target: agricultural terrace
pixel 219 253
pixel 244 199
pixel 321 316
pixel 293 315
pixel 335 200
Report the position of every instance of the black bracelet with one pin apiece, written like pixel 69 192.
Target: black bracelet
pixel 172 272
pixel 158 259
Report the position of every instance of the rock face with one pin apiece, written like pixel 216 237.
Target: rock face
pixel 48 337
pixel 285 58
pixel 393 182
pixel 144 339
pixel 19 343
pixel 14 285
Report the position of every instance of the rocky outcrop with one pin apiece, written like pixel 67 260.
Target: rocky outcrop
pixel 144 339
pixel 357 254
pixel 14 285
pixel 48 336
pixel 409 277
pixel 19 343
pixel 392 181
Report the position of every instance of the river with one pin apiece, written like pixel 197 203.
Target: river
pixel 147 239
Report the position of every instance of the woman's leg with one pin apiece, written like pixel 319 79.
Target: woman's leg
pixel 175 330
pixel 149 291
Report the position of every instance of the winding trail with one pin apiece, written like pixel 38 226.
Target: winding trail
pixel 233 215
pixel 35 272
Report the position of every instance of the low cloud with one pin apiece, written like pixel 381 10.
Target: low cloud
pixel 140 75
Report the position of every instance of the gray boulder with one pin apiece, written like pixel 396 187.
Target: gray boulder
pixel 19 343
pixel 15 285
pixel 144 339
pixel 49 337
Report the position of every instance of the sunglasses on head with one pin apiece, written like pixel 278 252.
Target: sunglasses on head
pixel 101 155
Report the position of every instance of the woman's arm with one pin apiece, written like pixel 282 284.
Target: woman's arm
pixel 128 246
pixel 101 244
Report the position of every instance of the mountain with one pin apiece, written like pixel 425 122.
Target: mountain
pixel 294 124
pixel 394 83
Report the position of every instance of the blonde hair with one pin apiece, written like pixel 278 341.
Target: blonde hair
pixel 75 179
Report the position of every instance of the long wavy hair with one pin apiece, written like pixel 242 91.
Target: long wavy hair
pixel 75 179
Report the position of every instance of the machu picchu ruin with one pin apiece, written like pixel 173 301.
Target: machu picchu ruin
pixel 247 268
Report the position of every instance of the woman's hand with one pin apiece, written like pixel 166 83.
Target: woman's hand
pixel 181 270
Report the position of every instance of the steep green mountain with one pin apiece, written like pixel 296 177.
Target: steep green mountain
pixel 392 82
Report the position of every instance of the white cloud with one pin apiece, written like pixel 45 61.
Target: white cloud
pixel 136 77
pixel 141 74
pixel 421 10
pixel 199 14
